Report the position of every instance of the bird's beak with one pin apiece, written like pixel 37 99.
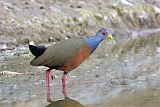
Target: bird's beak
pixel 110 38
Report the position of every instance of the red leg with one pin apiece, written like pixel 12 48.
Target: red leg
pixel 64 85
pixel 47 85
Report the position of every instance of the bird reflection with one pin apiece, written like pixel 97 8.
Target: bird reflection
pixel 67 102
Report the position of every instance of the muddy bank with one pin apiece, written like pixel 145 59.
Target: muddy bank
pixel 44 21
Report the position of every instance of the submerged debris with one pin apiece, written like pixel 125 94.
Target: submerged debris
pixel 10 73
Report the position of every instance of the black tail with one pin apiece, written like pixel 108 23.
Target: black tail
pixel 37 50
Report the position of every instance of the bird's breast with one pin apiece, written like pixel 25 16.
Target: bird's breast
pixel 76 60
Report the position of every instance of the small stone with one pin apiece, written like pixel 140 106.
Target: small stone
pixel 79 6
pixel 74 76
pixel 107 54
pixel 3 46
pixel 97 67
pixel 66 37
pixel 26 3
pixel 98 16
pixel 105 18
pixel 156 10
pixel 41 7
pixel 50 39
pixel 12 54
pixel 54 77
pixel 71 6
pixel 97 76
pixel 126 2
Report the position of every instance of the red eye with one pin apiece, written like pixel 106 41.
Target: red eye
pixel 103 33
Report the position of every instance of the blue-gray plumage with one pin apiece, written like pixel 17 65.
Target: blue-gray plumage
pixel 94 41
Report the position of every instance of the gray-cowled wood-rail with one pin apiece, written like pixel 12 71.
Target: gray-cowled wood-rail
pixel 66 55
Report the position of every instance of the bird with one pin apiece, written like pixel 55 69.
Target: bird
pixel 66 55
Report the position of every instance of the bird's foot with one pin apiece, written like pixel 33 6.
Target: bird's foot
pixel 48 95
pixel 49 100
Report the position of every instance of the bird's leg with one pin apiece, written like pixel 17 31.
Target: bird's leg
pixel 47 85
pixel 64 84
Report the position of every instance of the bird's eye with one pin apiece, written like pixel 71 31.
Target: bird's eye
pixel 103 33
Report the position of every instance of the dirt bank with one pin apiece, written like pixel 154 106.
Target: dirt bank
pixel 45 20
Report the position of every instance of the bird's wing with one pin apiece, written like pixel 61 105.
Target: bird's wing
pixel 58 54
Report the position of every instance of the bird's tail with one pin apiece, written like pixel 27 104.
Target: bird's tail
pixel 37 50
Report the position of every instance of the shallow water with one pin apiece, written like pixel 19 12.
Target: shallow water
pixel 103 80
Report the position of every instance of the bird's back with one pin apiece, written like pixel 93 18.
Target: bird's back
pixel 60 54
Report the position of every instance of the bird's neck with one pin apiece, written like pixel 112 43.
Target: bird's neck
pixel 93 42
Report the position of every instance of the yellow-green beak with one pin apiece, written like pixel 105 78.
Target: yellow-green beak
pixel 110 38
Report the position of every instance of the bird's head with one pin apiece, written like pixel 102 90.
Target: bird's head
pixel 104 33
